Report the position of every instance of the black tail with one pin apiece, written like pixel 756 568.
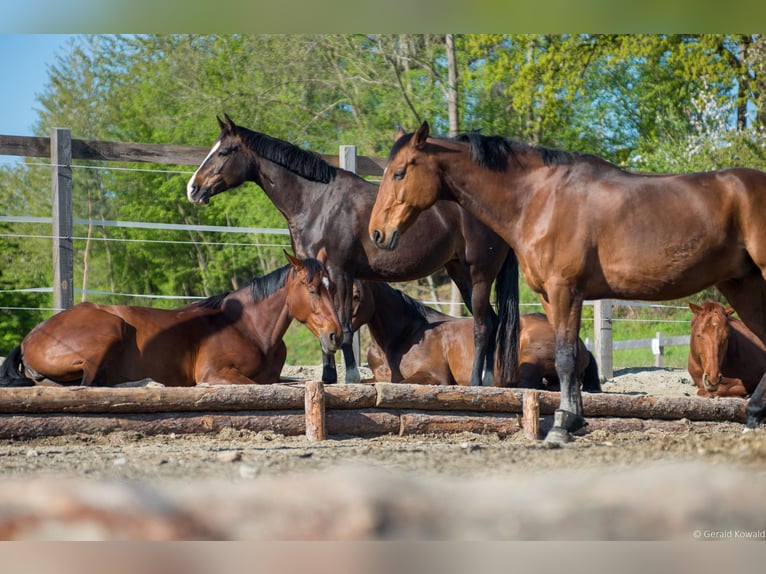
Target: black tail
pixel 11 371
pixel 507 293
pixel 591 382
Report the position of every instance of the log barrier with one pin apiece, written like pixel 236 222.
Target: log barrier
pixel 319 411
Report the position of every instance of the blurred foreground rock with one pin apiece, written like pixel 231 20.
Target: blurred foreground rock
pixel 679 501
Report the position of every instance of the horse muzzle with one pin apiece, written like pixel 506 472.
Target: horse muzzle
pixel 711 384
pixel 383 241
pixel 198 195
pixel 330 342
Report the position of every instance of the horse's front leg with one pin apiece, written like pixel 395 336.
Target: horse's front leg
pixel 329 370
pixel 565 307
pixel 484 327
pixel 345 298
pixel 756 406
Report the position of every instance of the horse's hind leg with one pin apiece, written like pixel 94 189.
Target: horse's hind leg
pixel 748 297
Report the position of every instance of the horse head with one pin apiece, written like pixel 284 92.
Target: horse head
pixel 408 187
pixel 710 340
pixel 224 167
pixel 362 305
pixel 310 299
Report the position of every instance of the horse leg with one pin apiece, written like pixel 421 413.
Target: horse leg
pixel 756 406
pixel 329 370
pixel 566 309
pixel 748 297
pixel 475 294
pixel 345 295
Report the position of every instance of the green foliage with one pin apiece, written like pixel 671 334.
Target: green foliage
pixel 650 102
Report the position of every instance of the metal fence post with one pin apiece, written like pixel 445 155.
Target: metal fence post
pixel 61 187
pixel 602 331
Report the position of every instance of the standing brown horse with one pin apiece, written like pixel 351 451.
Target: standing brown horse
pixel 226 339
pixel 415 343
pixel 725 358
pixel 330 207
pixel 582 228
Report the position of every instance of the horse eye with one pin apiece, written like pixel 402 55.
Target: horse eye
pixel 226 151
pixel 399 174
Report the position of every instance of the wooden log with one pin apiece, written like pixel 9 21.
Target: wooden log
pixel 357 396
pixel 289 423
pixel 315 414
pixel 530 421
pixel 483 399
pixel 503 424
pixel 668 408
pixel 444 398
pixel 175 399
pixel 347 422
pixel 364 422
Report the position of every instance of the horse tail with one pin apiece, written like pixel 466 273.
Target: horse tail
pixel 507 338
pixel 591 382
pixel 11 371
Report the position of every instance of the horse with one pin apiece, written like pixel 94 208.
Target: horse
pixel 232 338
pixel 725 358
pixel 415 343
pixel 583 228
pixel 330 207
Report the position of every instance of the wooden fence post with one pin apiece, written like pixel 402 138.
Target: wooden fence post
pixel 314 400
pixel 347 161
pixel 658 349
pixel 61 185
pixel 602 331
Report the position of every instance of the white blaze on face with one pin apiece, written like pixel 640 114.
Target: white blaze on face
pixel 190 185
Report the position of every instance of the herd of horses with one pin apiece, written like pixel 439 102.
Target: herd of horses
pixel 480 207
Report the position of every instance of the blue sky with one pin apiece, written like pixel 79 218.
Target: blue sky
pixel 25 59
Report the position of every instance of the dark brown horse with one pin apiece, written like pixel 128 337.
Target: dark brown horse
pixel 329 207
pixel 725 358
pixel 226 339
pixel 582 228
pixel 415 343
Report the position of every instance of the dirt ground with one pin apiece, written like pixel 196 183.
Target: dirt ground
pixel 244 455
pixel 268 461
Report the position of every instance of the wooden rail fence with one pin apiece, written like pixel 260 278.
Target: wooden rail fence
pixel 338 410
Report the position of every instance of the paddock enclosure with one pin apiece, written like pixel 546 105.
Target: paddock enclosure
pixel 301 460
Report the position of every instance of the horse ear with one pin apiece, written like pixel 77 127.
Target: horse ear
pixel 399 133
pixel 294 261
pixel 695 308
pixel 229 122
pixel 322 256
pixel 420 137
pixel 220 123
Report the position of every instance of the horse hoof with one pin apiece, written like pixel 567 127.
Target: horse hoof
pixel 353 377
pixel 557 436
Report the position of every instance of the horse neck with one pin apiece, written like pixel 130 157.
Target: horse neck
pixel 266 319
pixel 394 317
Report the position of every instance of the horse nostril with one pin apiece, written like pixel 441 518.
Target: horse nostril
pixel 334 339
pixel 376 237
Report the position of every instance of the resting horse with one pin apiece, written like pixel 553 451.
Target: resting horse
pixel 582 228
pixel 725 358
pixel 414 343
pixel 329 207
pixel 231 338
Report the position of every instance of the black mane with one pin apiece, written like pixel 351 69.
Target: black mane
pixel 262 287
pixel 493 152
pixel 301 162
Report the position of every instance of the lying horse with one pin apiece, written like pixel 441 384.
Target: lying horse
pixel 725 358
pixel 415 343
pixel 226 339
